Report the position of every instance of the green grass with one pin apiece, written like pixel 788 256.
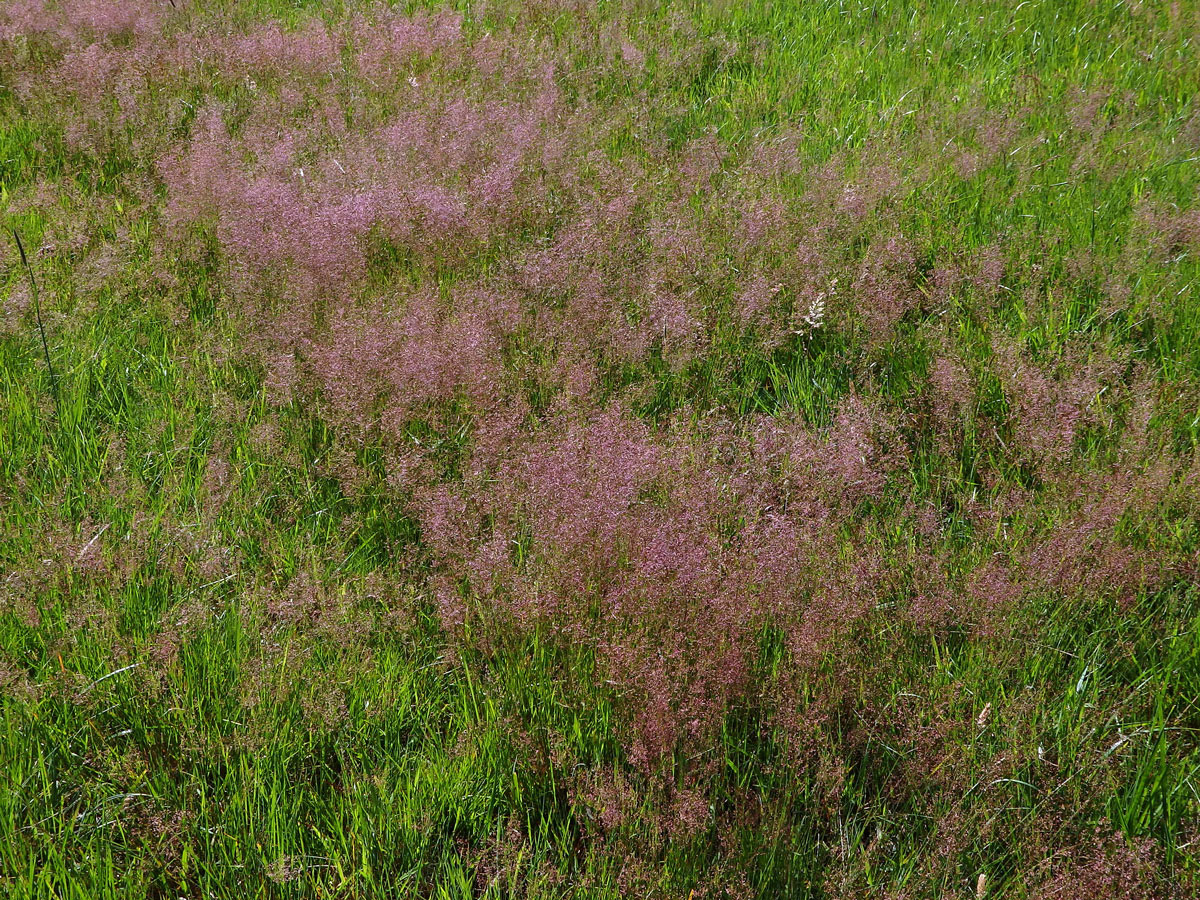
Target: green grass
pixel 168 729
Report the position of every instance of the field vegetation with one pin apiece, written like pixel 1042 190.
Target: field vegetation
pixel 599 449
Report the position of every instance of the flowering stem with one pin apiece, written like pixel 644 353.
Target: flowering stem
pixel 37 309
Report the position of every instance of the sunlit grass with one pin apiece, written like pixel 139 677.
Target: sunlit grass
pixel 229 663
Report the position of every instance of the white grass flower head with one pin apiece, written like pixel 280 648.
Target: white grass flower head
pixel 814 316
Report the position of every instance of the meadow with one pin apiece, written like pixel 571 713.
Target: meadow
pixel 599 448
